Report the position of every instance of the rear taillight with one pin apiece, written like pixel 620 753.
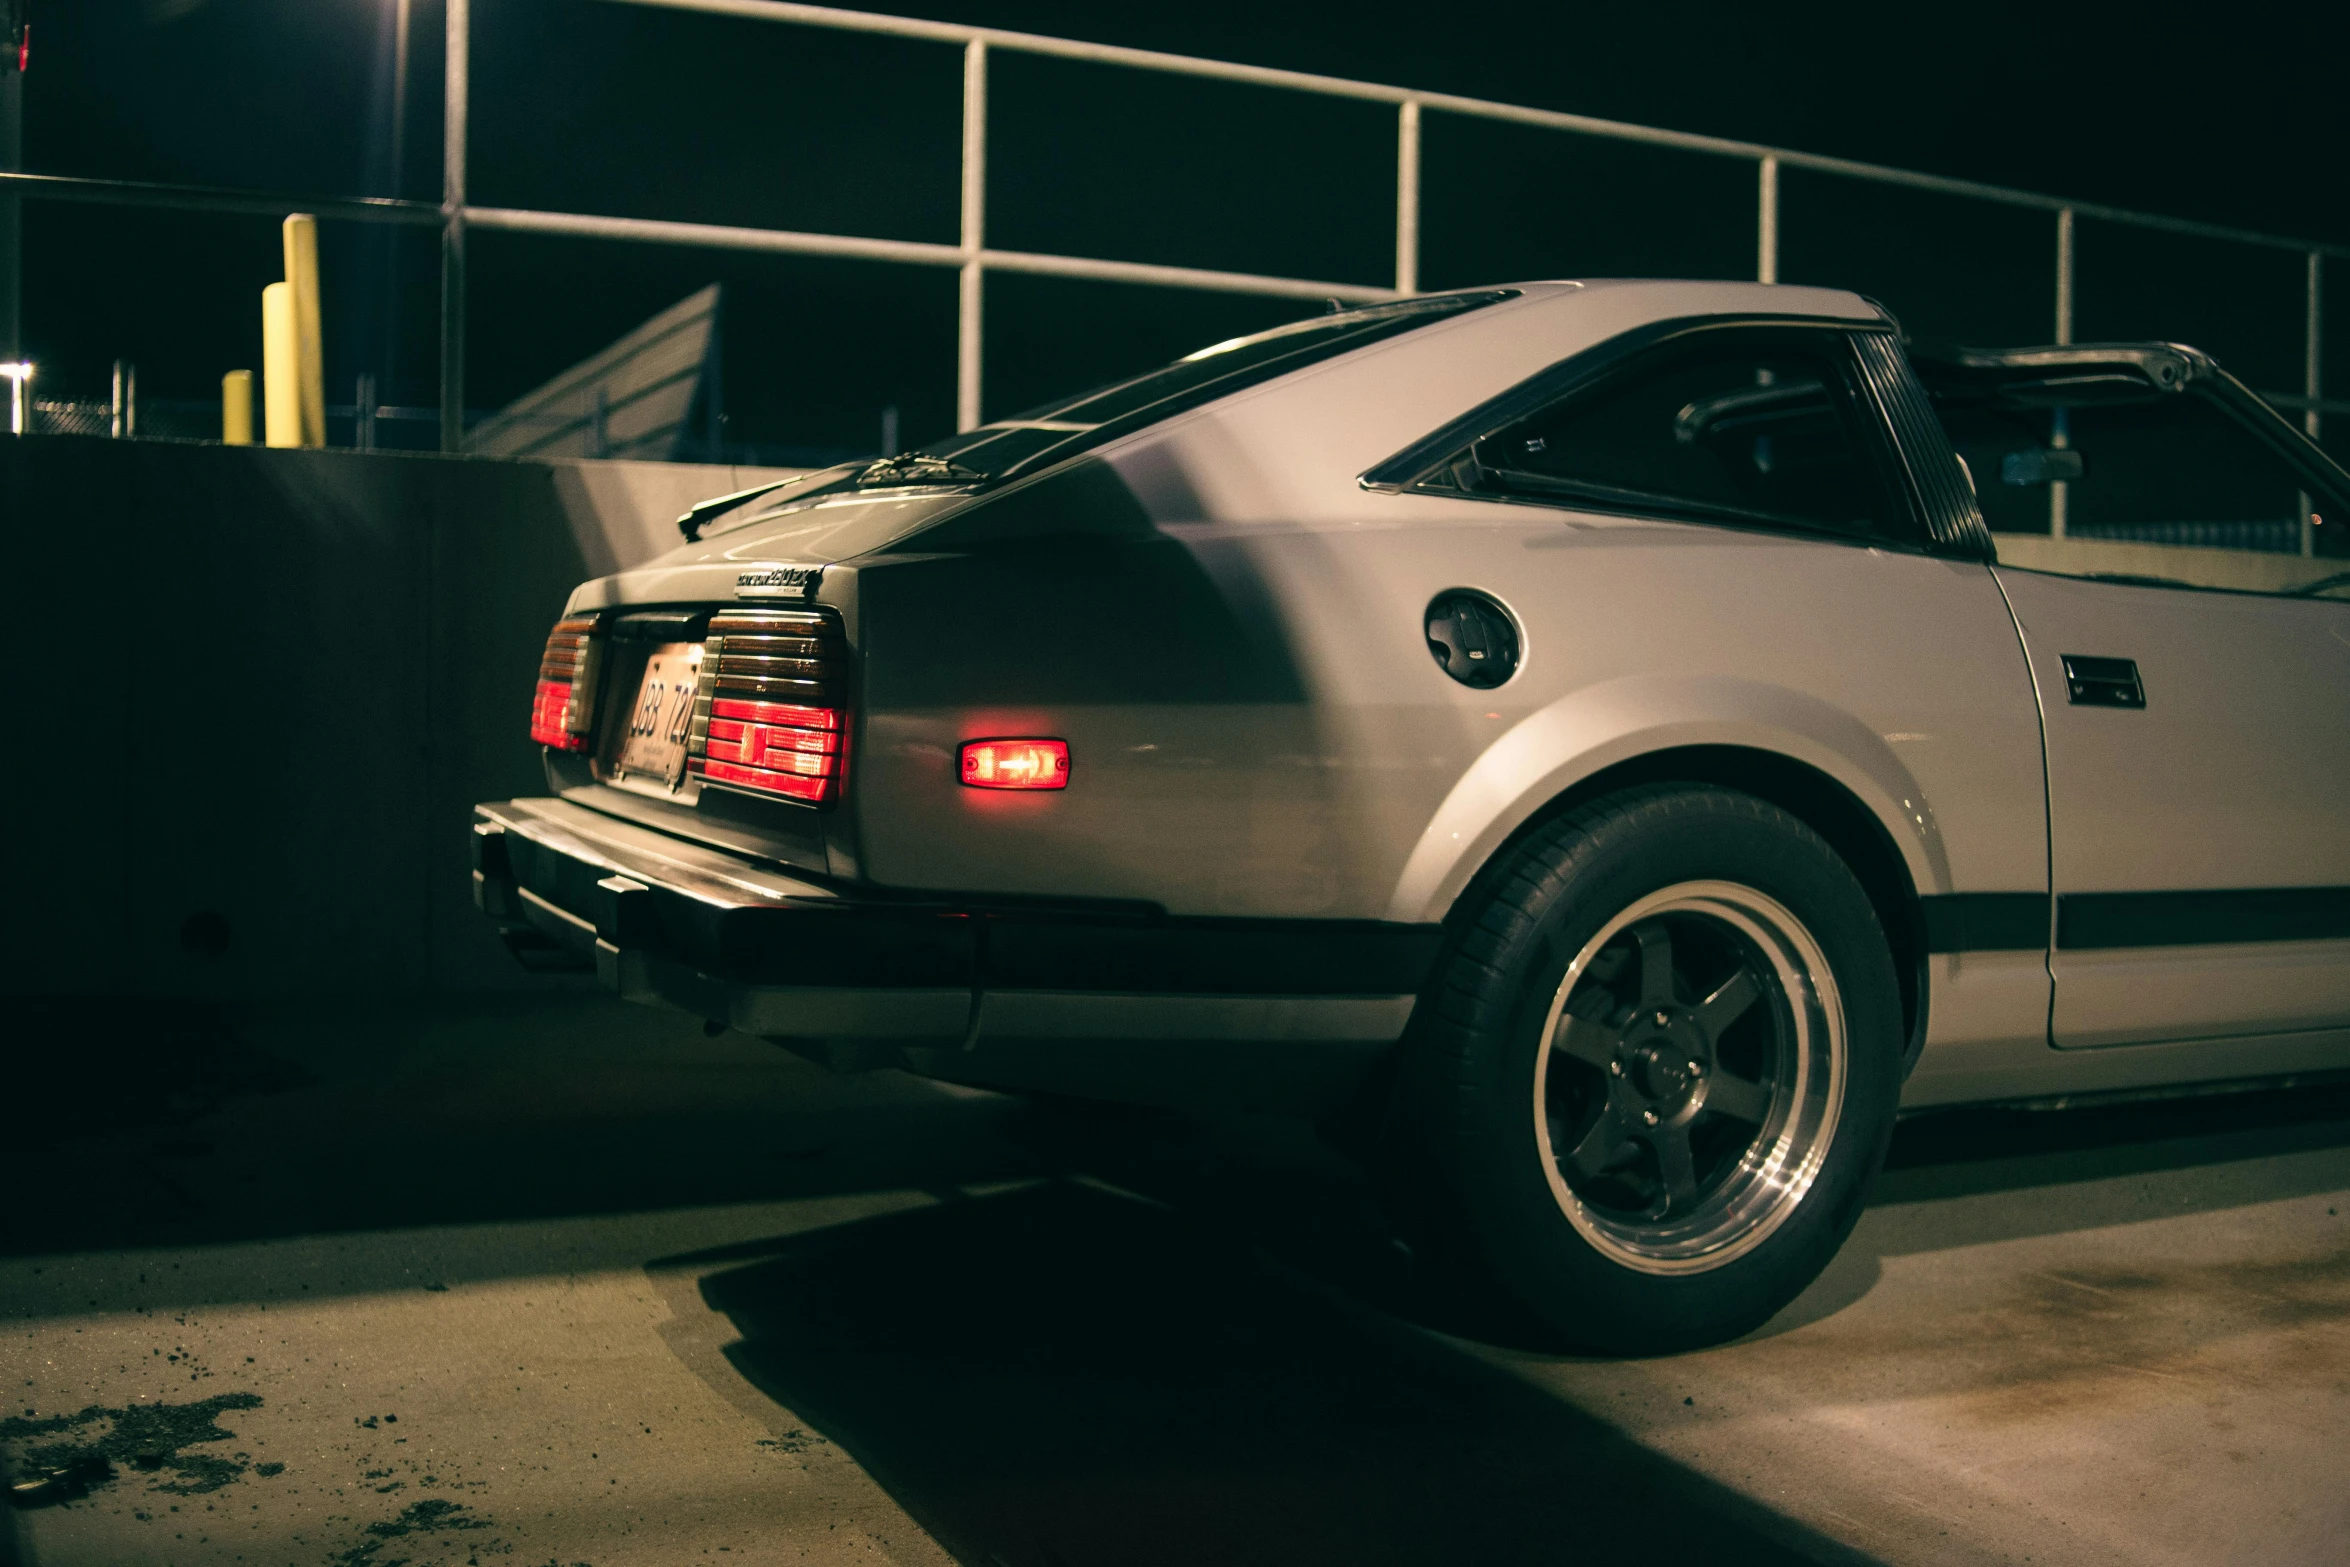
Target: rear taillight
pixel 772 706
pixel 565 706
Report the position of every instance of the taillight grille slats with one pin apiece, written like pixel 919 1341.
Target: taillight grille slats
pixel 774 668
pixel 776 713
pixel 770 710
pixel 809 692
pixel 743 642
pixel 774 623
pixel 563 708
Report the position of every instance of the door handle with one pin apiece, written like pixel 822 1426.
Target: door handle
pixel 2102 682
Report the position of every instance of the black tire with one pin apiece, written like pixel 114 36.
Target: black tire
pixel 1704 1141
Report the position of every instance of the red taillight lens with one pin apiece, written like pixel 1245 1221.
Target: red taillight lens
pixel 563 711
pixel 743 734
pixel 1016 764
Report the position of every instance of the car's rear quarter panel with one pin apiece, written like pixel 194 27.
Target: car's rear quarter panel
pixel 1232 644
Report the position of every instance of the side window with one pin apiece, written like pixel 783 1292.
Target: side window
pixel 2104 476
pixel 1754 428
pixel 2178 470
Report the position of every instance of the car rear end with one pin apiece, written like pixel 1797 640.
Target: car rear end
pixel 700 849
pixel 697 756
pixel 960 761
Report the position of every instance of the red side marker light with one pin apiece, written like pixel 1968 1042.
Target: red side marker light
pixel 1016 764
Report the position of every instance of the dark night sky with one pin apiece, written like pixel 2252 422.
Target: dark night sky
pixel 2236 114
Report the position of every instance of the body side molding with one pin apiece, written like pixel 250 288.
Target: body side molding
pixel 1985 921
pixel 2106 921
pixel 2094 921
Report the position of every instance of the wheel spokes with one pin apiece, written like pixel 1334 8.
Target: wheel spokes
pixel 1587 1040
pixel 1656 964
pixel 1729 1001
pixel 1676 1166
pixel 1607 964
pixel 1600 1145
pixel 1737 1098
pixel 1625 987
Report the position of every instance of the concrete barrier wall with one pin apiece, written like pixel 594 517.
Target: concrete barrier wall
pixel 268 686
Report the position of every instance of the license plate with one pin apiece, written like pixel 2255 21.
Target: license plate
pixel 654 747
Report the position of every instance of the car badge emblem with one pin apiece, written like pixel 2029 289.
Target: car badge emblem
pixel 778 582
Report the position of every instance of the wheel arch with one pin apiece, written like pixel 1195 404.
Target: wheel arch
pixel 1805 791
pixel 1811 796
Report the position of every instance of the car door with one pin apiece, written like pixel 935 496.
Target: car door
pixel 2198 736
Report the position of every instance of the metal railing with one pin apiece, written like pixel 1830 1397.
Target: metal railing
pixel 973 258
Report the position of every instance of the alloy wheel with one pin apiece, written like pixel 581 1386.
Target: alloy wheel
pixel 1690 1077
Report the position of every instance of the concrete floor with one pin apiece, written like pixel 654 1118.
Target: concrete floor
pixel 567 1283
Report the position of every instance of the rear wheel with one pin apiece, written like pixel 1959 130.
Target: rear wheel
pixel 1664 1059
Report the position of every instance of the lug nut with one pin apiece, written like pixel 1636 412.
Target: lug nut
pixel 1697 1069
pixel 1615 1069
pixel 1663 1018
pixel 1648 1116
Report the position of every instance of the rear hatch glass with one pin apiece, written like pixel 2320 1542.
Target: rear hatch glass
pixel 1006 449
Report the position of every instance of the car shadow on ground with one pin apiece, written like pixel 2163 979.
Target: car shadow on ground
pixel 1060 1375
pixel 1119 1336
pixel 1201 1343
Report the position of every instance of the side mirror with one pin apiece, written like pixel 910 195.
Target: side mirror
pixel 2041 465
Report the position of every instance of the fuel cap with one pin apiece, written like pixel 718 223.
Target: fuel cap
pixel 1472 638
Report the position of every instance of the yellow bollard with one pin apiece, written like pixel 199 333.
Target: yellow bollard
pixel 236 408
pixel 301 240
pixel 281 368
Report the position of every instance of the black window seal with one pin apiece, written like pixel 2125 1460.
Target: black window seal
pixel 1426 459
pixel 1941 492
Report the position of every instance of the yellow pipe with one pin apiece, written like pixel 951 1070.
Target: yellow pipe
pixel 301 242
pixel 281 368
pixel 236 408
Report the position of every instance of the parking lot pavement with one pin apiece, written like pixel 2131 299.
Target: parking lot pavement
pixel 569 1282
pixel 2146 1368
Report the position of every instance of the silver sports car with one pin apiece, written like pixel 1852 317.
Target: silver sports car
pixel 1582 737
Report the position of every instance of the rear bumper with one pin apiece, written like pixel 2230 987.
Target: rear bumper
pixel 1118 1002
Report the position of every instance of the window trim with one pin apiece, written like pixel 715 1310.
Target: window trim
pixel 1419 467
pixel 1946 504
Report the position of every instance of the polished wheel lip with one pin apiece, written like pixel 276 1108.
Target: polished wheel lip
pixel 1777 1170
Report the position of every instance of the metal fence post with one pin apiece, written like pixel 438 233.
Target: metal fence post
pixel 460 28
pixel 1766 221
pixel 969 341
pixel 1407 197
pixel 2060 433
pixel 2313 332
pixel 2064 274
pixel 2313 384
